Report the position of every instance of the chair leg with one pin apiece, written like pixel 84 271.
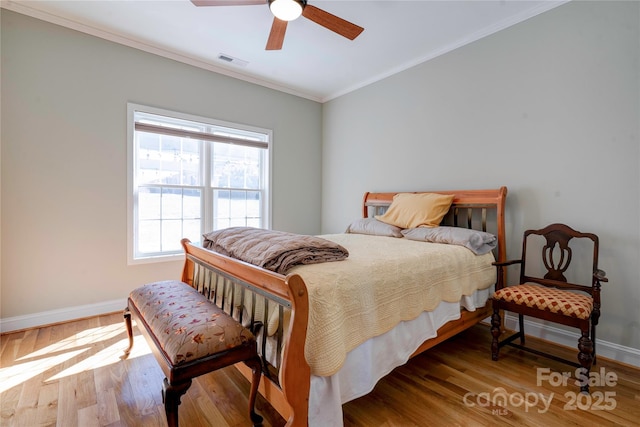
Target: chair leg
pixel 595 317
pixel 521 325
pixel 171 394
pixel 593 341
pixel 585 357
pixel 127 323
pixel 495 332
pixel 256 370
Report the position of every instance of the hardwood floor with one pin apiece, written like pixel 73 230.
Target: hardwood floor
pixel 71 374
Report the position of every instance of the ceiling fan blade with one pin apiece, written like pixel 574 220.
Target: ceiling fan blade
pixel 332 22
pixel 276 36
pixel 226 2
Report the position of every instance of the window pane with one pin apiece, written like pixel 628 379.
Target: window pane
pixel 254 222
pixel 236 166
pixel 148 142
pixel 149 236
pixel 149 203
pixel 171 235
pixel 192 230
pixel 236 208
pixel 148 156
pixel 166 215
pixel 166 159
pixel 221 203
pixel 254 205
pixel 171 203
pixel 220 223
pixel 191 205
pixel 238 205
pixel 191 162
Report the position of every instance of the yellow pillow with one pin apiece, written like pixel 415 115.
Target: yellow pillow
pixel 409 210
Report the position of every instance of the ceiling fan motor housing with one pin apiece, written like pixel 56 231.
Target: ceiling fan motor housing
pixel 287 10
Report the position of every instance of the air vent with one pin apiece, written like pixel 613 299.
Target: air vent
pixel 231 60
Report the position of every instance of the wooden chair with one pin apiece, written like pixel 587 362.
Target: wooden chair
pixel 551 297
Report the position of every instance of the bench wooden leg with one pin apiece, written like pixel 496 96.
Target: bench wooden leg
pixel 256 370
pixel 171 394
pixel 127 322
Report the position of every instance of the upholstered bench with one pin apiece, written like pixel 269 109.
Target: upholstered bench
pixel 189 336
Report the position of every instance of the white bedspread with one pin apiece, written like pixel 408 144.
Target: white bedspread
pixel 375 358
pixel 384 281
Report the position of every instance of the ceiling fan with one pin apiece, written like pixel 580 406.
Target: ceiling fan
pixel 288 10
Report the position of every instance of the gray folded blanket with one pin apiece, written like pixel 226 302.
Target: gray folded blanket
pixel 273 250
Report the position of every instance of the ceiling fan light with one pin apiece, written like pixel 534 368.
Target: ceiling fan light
pixel 286 10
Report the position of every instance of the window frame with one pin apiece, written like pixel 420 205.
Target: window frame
pixel 206 207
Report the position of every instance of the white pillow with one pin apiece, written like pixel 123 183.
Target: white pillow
pixel 476 241
pixel 374 227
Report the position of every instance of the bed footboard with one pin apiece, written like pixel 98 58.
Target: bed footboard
pixel 275 308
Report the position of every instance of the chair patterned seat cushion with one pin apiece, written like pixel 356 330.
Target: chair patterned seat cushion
pixel 188 326
pixel 550 299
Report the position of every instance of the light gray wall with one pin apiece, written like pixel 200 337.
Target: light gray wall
pixel 549 108
pixel 64 193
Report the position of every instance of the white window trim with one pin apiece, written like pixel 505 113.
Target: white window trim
pixel 131 109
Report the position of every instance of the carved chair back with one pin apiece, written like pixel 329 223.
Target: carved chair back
pixel 556 256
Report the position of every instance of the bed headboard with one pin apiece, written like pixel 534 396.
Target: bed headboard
pixel 476 209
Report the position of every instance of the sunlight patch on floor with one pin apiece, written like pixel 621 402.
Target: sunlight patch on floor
pixel 108 356
pixel 49 357
pixel 83 338
pixel 17 374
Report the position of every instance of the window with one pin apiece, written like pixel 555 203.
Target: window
pixel 189 175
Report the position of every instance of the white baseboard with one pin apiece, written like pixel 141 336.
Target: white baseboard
pixel 62 315
pixel 619 353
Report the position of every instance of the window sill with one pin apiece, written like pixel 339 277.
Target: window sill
pixel 156 259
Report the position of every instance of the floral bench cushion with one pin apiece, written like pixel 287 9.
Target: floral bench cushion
pixel 186 325
pixel 550 299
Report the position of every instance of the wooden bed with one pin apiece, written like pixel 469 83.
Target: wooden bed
pixel 287 375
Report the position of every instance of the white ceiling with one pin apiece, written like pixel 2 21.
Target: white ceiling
pixel 314 62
